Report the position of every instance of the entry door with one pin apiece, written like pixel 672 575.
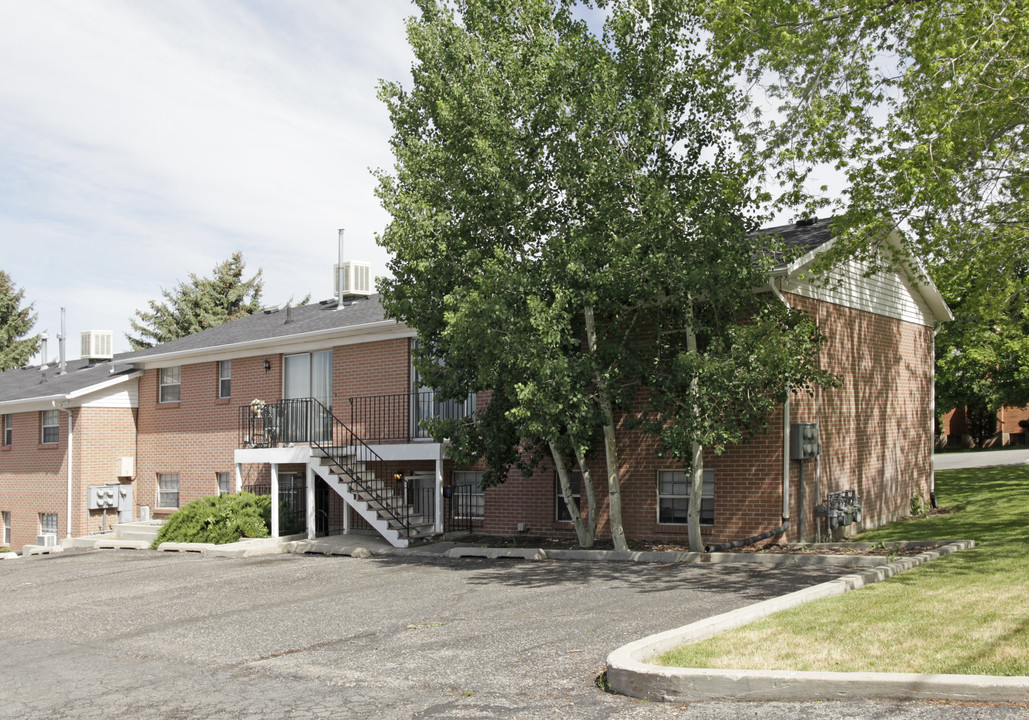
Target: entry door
pixel 309 375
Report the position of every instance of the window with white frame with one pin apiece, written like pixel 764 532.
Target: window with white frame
pixel 8 429
pixel 51 422
pixel 673 497
pixel 470 498
pixel 168 385
pixel 562 514
pixel 224 486
pixel 48 523
pixel 7 528
pixel 224 378
pixel 167 490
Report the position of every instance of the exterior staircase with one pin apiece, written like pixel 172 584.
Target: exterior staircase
pixel 378 500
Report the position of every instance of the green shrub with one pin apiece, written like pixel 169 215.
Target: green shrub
pixel 5 549
pixel 219 519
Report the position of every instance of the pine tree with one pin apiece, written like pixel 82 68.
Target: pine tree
pixel 199 304
pixel 15 323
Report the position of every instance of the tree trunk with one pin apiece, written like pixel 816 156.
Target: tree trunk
pixel 696 469
pixel 591 496
pixel 586 534
pixel 614 488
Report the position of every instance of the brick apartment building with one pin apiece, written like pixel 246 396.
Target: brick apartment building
pixel 320 404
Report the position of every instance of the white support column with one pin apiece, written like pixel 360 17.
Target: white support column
pixel 439 490
pixel 275 500
pixel 239 478
pixel 309 497
pixel 346 518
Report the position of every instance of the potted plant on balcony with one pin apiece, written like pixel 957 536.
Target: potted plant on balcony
pixel 257 407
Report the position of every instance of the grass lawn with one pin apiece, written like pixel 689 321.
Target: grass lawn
pixel 966 613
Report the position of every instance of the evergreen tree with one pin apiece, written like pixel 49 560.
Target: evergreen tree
pixel 15 323
pixel 199 304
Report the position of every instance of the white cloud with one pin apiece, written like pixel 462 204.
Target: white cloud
pixel 140 142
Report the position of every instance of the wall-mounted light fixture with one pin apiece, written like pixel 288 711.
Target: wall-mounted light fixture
pixel 267 365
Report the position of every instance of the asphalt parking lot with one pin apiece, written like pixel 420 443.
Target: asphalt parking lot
pixel 142 634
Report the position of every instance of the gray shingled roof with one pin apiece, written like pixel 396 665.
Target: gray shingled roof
pixel 272 324
pixel 802 237
pixel 28 383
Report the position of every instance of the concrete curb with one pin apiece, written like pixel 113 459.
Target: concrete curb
pixel 629 671
pixel 767 559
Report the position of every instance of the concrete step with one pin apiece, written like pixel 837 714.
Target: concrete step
pixel 138 531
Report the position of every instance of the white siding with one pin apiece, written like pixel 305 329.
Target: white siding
pixel 125 395
pixel 883 293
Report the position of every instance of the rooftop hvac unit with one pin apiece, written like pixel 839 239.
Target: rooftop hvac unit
pixel 98 345
pixel 357 279
pixel 46 540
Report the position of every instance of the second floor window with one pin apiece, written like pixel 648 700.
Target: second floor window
pixel 224 378
pixel 8 429
pixel 51 422
pixel 168 383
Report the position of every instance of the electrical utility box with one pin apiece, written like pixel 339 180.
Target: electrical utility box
pixel 803 441
pixel 102 497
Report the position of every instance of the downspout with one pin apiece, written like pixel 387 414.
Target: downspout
pixel 932 418
pixel 719 547
pixel 785 429
pixel 71 443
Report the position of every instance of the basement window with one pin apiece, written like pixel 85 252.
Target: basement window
pixel 673 497
pixel 575 481
pixel 167 490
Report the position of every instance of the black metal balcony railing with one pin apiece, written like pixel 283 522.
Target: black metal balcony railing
pixel 398 417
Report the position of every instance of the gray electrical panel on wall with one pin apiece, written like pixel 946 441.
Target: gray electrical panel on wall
pixel 803 441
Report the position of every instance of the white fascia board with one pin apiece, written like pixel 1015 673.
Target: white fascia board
pixel 44 402
pixel 318 339
pixel 104 385
pixel 923 286
pixel 48 402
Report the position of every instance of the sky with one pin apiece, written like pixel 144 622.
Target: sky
pixel 144 141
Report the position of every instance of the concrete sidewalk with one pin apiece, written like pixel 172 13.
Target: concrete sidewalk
pixel 980 458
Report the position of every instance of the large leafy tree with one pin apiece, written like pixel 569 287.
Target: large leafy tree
pixel 198 304
pixel 569 232
pixel 16 321
pixel 922 110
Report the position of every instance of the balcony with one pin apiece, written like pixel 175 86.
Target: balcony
pixel 398 418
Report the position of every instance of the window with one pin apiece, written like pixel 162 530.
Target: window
pixel 224 378
pixel 471 499
pixel 7 528
pixel 168 384
pixel 51 421
pixel 8 429
pixel 48 523
pixel 167 490
pixel 223 483
pixel 673 497
pixel 575 480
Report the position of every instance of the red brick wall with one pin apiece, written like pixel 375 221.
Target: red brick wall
pixel 875 432
pixel 876 429
pixel 34 475
pixel 33 478
pixel 196 436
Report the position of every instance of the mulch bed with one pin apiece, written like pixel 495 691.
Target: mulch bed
pixel 561 543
